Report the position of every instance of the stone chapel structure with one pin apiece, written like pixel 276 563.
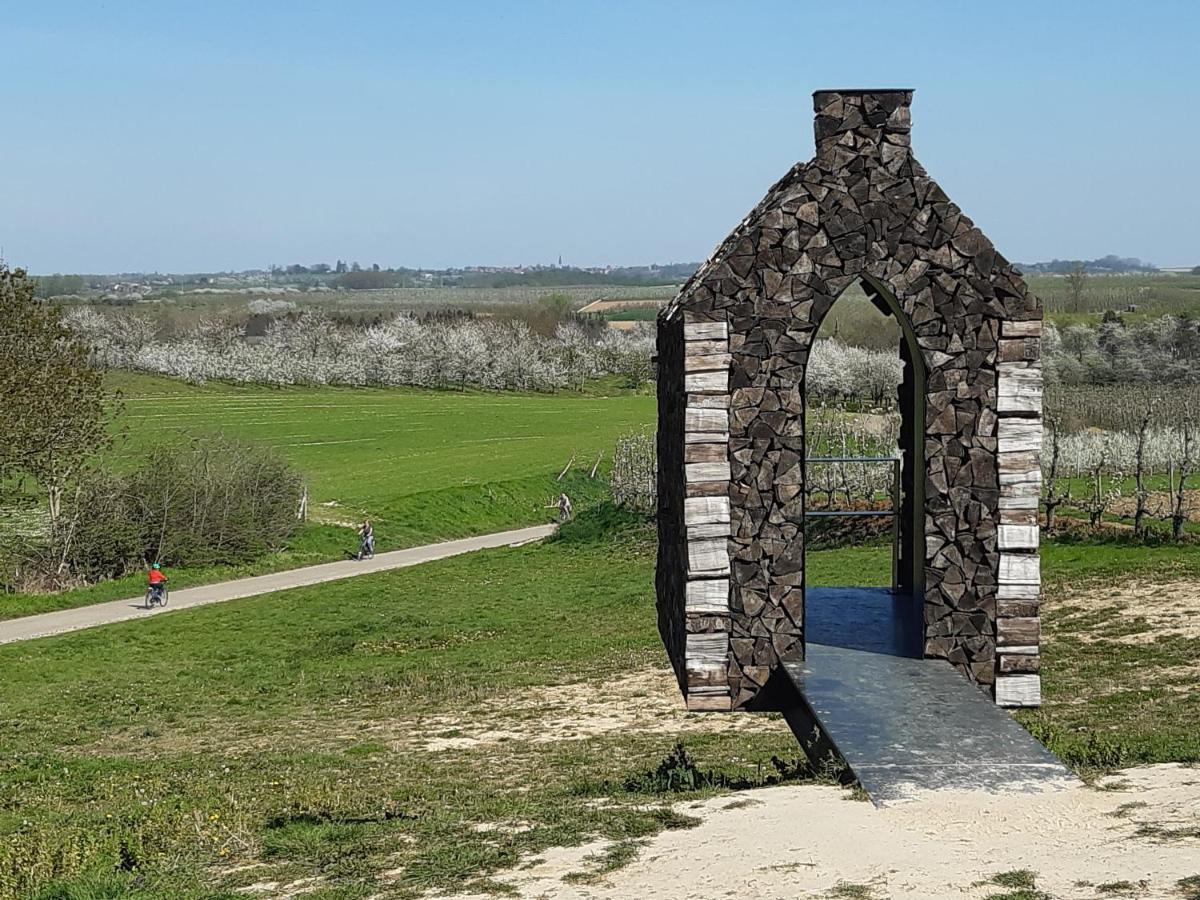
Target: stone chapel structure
pixel 732 350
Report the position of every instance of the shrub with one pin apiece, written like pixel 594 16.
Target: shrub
pixel 211 502
pixel 678 772
pixel 216 501
pixel 634 472
pixel 606 523
pixel 102 537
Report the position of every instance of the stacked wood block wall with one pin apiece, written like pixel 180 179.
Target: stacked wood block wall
pixel 862 210
pixel 694 605
pixel 706 511
pixel 1019 444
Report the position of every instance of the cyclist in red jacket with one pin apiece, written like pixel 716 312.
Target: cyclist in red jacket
pixel 157 580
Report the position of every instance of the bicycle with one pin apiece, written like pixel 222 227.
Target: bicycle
pixel 156 595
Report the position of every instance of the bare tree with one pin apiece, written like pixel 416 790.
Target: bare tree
pixel 1054 497
pixel 1100 499
pixel 634 482
pixel 1076 282
pixel 1187 461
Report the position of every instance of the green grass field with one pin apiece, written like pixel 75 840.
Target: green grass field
pixel 334 732
pixel 423 465
pixel 383 452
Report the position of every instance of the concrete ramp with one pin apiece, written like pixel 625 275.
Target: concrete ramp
pixel 905 725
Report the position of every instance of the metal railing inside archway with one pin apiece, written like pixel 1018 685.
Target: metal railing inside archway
pixel 893 512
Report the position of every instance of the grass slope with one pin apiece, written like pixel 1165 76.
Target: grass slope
pixel 284 732
pixel 274 731
pixel 392 453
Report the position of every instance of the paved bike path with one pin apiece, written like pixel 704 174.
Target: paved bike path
pixel 60 621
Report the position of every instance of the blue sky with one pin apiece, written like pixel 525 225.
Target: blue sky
pixel 204 136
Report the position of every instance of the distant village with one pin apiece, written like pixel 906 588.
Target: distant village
pixel 125 288
pixel 130 287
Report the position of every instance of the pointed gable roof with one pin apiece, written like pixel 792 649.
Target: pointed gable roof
pixel 862 205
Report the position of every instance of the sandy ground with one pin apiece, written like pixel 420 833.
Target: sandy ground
pixel 805 841
pixel 1169 609
pixel 646 701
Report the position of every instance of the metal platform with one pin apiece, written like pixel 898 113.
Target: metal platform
pixel 906 725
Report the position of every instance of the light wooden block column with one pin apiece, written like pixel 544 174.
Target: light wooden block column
pixel 706 513
pixel 1019 445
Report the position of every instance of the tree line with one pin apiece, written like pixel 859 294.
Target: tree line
pixel 1164 350
pixel 310 347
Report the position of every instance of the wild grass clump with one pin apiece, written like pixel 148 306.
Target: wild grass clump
pixel 607 523
pixel 1094 753
pixel 1189 888
pixel 678 772
pixel 1019 884
pixel 615 856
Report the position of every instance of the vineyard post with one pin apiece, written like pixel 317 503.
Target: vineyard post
pixel 1101 500
pixel 896 524
pixel 566 469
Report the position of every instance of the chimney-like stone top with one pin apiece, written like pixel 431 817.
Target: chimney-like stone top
pixel 881 114
pixel 845 91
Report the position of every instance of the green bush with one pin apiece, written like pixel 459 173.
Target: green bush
pixel 607 523
pixel 102 537
pixel 213 502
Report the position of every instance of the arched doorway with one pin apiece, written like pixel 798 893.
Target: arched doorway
pixel 875 454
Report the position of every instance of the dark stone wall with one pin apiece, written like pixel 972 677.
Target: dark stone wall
pixel 910 565
pixel 862 209
pixel 670 574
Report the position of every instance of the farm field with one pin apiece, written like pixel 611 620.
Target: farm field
pixel 853 321
pixel 423 465
pixel 431 729
pixel 1153 295
pixel 388 301
pixel 377 451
